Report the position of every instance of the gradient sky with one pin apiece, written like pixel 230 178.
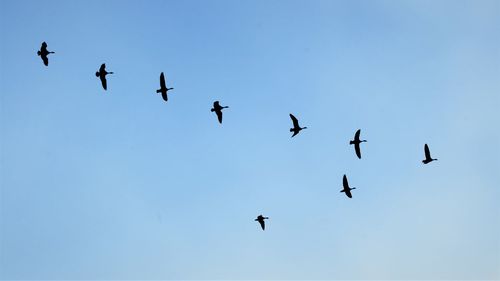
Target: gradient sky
pixel 121 185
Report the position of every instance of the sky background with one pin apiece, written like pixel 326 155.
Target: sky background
pixel 118 184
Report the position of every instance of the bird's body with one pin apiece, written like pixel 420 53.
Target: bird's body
pixel 356 143
pixel 218 110
pixel 296 128
pixel 428 158
pixel 102 75
pixel 163 87
pixel 347 189
pixel 43 53
pixel 261 219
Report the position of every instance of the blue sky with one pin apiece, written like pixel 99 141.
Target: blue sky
pixel 121 185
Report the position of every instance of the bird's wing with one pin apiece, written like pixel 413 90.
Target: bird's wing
pixel 358 149
pixel 294 120
pixel 356 136
pixel 216 104
pixel 103 82
pixel 164 96
pixel 219 115
pixel 44 46
pixel 102 68
pixel 262 224
pixel 348 193
pixel 162 81
pixel 345 183
pixel 45 60
pixel 427 152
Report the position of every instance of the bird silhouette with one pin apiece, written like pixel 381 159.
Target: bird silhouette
pixel 347 189
pixel 218 110
pixel 261 219
pixel 296 128
pixel 102 75
pixel 163 88
pixel 428 158
pixel 43 53
pixel 356 143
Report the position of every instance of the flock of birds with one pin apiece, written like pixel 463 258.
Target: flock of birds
pixel 217 108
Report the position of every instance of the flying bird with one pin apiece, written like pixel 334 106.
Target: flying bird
pixel 218 110
pixel 356 143
pixel 296 128
pixel 428 158
pixel 261 219
pixel 43 53
pixel 347 189
pixel 163 88
pixel 102 75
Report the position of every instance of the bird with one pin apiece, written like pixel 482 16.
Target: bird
pixel 102 75
pixel 163 88
pixel 346 189
pixel 261 219
pixel 296 128
pixel 356 143
pixel 218 110
pixel 428 158
pixel 43 53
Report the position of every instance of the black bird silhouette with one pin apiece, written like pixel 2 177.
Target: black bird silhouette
pixel 43 53
pixel 428 158
pixel 296 128
pixel 347 189
pixel 163 87
pixel 102 75
pixel 356 143
pixel 261 219
pixel 218 110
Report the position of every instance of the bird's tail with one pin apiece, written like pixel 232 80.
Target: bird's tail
pixel 212 110
pixel 291 129
pixel 110 72
pixel 38 53
pixel 97 74
pixel 158 91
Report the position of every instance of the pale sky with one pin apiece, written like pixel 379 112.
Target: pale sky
pixel 121 185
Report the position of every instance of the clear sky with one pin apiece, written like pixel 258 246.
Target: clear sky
pixel 121 185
